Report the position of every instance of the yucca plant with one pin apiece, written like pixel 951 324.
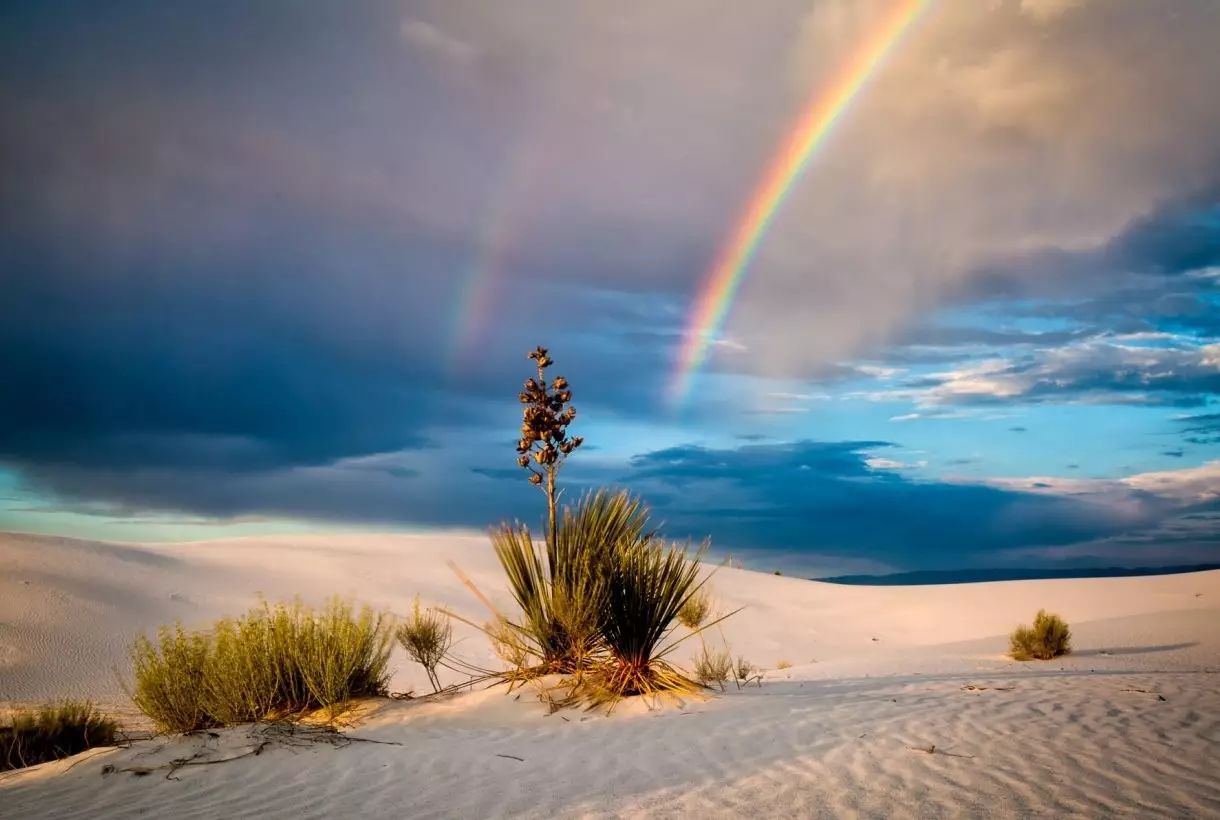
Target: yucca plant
pixel 649 584
pixel 562 588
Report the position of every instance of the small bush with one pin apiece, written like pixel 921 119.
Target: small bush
pixel 53 732
pixel 342 655
pixel 272 662
pixel 784 665
pixel 745 672
pixel 696 609
pixel 427 637
pixel 1048 638
pixel 713 667
pixel 169 680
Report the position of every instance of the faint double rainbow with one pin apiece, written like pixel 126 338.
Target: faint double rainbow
pixel 817 120
pixel 480 284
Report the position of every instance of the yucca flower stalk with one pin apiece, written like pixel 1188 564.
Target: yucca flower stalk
pixel 544 444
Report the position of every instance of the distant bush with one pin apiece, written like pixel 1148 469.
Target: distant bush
pixel 713 667
pixel 274 661
pixel 1048 638
pixel 784 665
pixel 696 609
pixel 745 672
pixel 53 732
pixel 427 637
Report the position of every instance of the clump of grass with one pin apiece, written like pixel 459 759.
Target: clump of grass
pixel 696 609
pixel 426 636
pixel 713 666
pixel 273 662
pixel 745 672
pixel 53 732
pixel 1049 637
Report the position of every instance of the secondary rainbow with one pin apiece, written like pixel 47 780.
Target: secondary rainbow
pixel 817 120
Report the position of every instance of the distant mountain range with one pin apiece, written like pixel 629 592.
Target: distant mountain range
pixel 969 576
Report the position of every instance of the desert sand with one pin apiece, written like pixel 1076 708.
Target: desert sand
pixel 899 701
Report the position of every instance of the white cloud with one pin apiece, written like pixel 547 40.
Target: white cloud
pixel 1045 11
pixel 1131 494
pixel 429 37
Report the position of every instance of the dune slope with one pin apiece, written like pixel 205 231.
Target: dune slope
pixel 899 701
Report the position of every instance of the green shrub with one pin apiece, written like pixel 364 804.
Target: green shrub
pixel 696 609
pixel 342 655
pixel 274 661
pixel 1048 638
pixel 53 732
pixel 713 666
pixel 169 679
pixel 427 637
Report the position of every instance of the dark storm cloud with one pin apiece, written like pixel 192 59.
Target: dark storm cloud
pixel 823 498
pixel 247 251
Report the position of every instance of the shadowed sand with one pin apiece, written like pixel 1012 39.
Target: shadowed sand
pixel 899 702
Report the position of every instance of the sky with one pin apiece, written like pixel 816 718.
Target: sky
pixel 275 267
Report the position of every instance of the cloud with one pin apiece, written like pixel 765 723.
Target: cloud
pixel 819 499
pixel 1203 428
pixel 1102 369
pixel 425 35
pixel 1045 11
pixel 253 288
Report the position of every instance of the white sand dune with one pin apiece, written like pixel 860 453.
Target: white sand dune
pixel 1129 724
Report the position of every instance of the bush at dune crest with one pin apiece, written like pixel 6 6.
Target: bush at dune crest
pixel 53 732
pixel 1048 638
pixel 274 661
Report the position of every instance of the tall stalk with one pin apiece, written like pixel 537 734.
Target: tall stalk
pixel 544 444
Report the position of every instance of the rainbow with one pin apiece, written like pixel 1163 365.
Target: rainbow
pixel 826 108
pixel 480 288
